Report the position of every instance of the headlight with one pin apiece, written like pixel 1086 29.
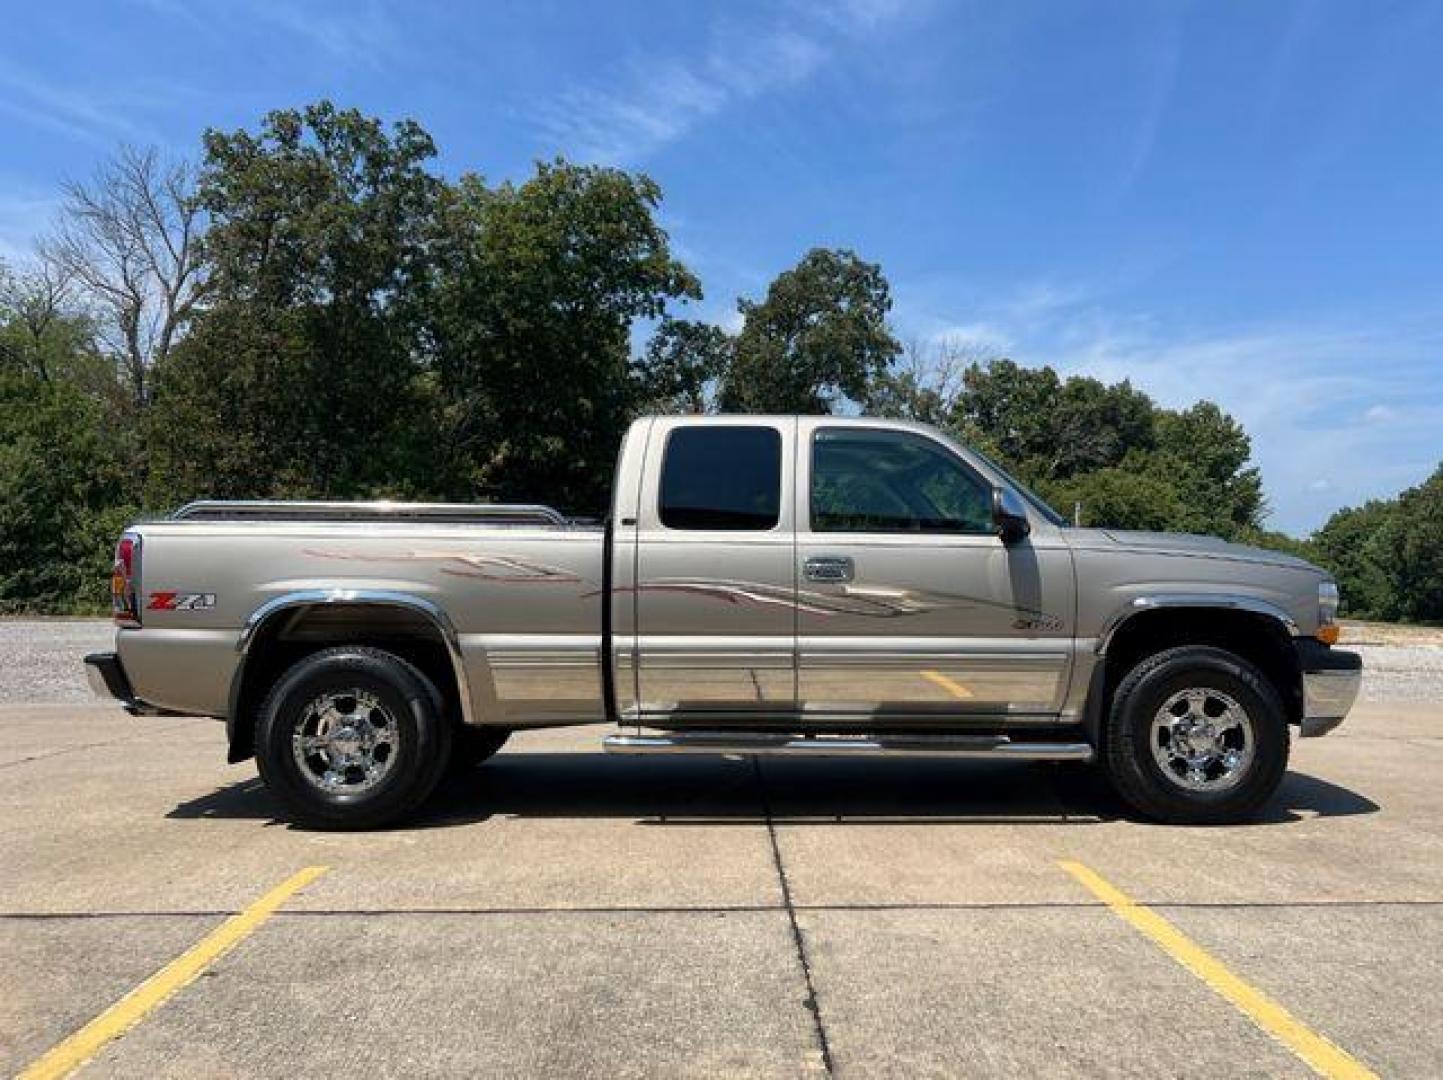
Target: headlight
pixel 1328 612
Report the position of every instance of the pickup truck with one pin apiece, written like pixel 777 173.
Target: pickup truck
pixel 762 585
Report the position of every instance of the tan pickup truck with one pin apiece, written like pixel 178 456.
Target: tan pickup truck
pixel 763 585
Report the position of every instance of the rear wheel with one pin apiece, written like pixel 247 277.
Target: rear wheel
pixel 1196 736
pixel 352 738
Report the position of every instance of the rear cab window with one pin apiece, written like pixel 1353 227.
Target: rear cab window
pixel 722 479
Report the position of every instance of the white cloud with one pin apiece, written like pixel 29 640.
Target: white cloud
pixel 1321 398
pixel 1039 299
pixel 362 32
pixel 1160 81
pixel 869 13
pixel 100 119
pixel 655 100
pixel 1297 390
pixel 25 213
pixel 981 336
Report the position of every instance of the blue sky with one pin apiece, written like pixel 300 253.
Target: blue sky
pixel 1240 201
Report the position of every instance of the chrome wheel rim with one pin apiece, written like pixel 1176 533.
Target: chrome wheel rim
pixel 346 742
pixel 1202 740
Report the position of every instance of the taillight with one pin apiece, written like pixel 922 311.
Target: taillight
pixel 125 581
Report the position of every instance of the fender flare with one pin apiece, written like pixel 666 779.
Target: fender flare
pixel 1097 688
pixel 262 616
pixel 1254 605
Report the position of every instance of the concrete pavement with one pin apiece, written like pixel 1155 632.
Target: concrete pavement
pixel 563 913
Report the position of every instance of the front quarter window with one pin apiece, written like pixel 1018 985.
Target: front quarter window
pixel 1034 500
pixel 866 480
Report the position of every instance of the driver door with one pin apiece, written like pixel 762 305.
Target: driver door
pixel 909 605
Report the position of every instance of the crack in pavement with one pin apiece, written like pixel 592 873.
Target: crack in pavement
pixel 811 1003
pixel 57 753
pixel 90 746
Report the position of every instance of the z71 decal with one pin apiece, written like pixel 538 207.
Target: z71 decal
pixel 180 601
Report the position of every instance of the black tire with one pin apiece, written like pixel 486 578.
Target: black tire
pixel 422 738
pixel 473 745
pixel 1127 752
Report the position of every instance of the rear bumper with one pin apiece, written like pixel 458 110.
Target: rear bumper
pixel 1331 680
pixel 107 679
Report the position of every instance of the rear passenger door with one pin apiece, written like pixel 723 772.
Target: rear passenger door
pixel 715 582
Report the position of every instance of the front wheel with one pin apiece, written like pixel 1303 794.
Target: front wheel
pixel 352 738
pixel 1196 736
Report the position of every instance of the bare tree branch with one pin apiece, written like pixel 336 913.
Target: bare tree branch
pixel 127 241
pixel 927 380
pixel 35 301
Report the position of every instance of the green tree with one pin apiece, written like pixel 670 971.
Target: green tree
pixel 819 336
pixel 1409 548
pixel 1129 463
pixel 1118 498
pixel 65 492
pixel 1387 554
pixel 531 312
pixel 1096 426
pixel 1347 546
pixel 301 374
pixel 1014 408
pixel 1206 453
pixel 232 416
pixel 45 335
pixel 925 383
pixel 683 361
pixel 1054 428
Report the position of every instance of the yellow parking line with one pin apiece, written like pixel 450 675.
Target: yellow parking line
pixel 176 975
pixel 1324 1058
pixel 952 687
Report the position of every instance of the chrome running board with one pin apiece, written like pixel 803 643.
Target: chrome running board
pixel 961 746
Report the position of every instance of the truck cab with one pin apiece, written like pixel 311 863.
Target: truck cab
pixel 839 574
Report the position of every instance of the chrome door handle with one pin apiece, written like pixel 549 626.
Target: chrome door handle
pixel 829 568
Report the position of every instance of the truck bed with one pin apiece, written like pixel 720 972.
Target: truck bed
pixel 524 598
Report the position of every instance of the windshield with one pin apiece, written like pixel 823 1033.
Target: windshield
pixel 1033 499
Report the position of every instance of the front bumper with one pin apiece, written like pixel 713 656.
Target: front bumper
pixel 1331 680
pixel 107 679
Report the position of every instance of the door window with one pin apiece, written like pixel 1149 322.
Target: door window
pixel 893 481
pixel 726 478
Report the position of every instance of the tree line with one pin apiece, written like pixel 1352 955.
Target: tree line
pixel 315 311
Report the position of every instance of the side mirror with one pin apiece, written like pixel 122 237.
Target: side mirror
pixel 1009 515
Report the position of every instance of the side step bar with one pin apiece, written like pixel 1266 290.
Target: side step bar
pixel 726 743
